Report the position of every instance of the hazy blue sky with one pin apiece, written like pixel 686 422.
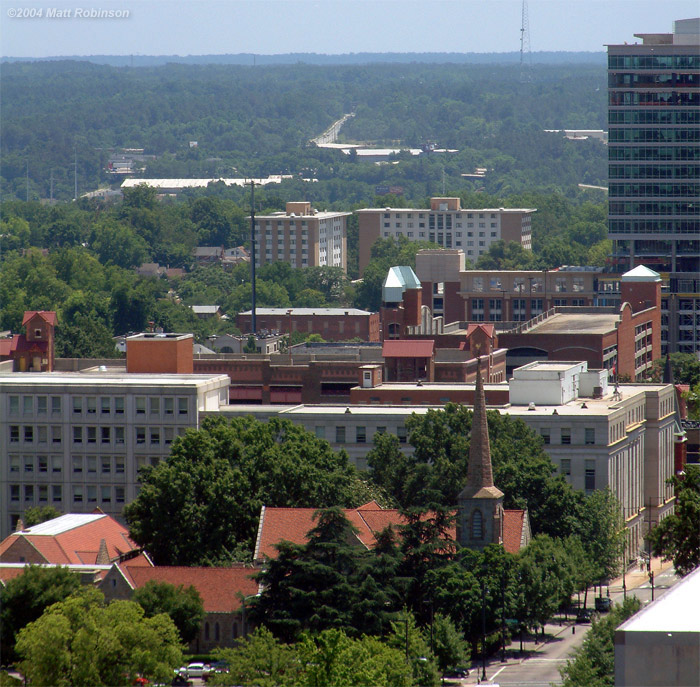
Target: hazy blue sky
pixel 195 27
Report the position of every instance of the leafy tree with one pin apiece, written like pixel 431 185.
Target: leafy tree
pixel 24 598
pixel 685 368
pixel 260 660
pixel 81 642
pixel 593 664
pixel 603 532
pixel 450 649
pixel 183 605
pixel 202 504
pixel 39 514
pixel 677 537
pixel 250 345
pixel 408 638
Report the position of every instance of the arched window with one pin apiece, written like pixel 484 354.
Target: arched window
pixel 206 630
pixel 216 632
pixel 477 525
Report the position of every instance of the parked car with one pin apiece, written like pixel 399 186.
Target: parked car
pixel 216 667
pixel 195 670
pixel 584 615
pixel 602 604
pixel 457 673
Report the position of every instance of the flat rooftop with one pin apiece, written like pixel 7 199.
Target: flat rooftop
pixel 569 323
pixel 291 312
pixel 109 378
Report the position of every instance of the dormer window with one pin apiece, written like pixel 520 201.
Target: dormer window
pixel 37 333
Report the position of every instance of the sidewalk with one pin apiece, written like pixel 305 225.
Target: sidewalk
pixel 634 577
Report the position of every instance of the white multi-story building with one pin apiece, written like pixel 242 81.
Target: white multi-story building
pixel 596 436
pixel 76 440
pixel 302 236
pixel 447 224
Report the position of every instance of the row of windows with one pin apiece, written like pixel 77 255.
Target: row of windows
pixel 342 436
pixel 651 99
pixel 690 135
pixel 660 208
pixel 90 435
pixel 41 434
pixel 659 190
pixel 81 494
pixel 654 171
pixel 667 80
pixel 654 153
pixel 40 492
pixel 90 405
pixel 30 464
pixel 654 117
pixel 654 61
pixel 588 475
pixel 654 226
pixel 565 435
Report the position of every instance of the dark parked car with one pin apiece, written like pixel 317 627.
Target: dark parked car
pixel 602 604
pixel 457 673
pixel 584 615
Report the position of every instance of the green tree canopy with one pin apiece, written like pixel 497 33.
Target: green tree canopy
pixel 677 537
pixel 80 642
pixel 24 598
pixel 183 605
pixel 202 504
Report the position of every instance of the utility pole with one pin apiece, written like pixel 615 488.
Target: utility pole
pixel 27 180
pixel 75 175
pixel 253 326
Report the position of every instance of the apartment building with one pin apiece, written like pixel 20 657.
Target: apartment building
pixel 654 169
pixel 302 236
pixel 76 440
pixel 447 224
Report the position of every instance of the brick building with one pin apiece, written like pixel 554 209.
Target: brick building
pixel 33 351
pixel 447 224
pixel 331 324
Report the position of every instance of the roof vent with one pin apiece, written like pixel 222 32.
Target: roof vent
pixel 103 368
pixel 347 411
pixel 554 412
pixel 531 406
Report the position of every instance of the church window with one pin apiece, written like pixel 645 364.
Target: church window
pixel 477 525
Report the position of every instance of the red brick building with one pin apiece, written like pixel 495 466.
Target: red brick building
pixel 33 351
pixel 164 353
pixel 331 324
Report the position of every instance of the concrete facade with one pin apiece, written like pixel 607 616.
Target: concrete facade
pixel 302 237
pixel 77 440
pixel 447 224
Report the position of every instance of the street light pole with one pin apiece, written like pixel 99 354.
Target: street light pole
pixel 483 629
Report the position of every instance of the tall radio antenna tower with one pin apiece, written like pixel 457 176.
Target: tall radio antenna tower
pixel 525 73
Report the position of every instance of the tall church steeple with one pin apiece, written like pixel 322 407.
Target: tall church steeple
pixel 480 503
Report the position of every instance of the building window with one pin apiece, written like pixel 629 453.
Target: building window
pixel 29 493
pixel 28 434
pixel 182 406
pixel 105 405
pixel 55 404
pixel 544 433
pixel 590 435
pixel 140 435
pixel 55 435
pixel 91 435
pixel 14 492
pixel 43 463
pixel 14 463
pixel 77 464
pixel 140 403
pixel 119 405
pixel 119 465
pixel 77 435
pixel 27 405
pixel 340 435
pixel 168 436
pixel 29 463
pixel 92 464
pixel 41 404
pixel 477 525
pixel 361 435
pixel 43 493
pixel 14 405
pixel 106 463
pixel 77 494
pixel 119 494
pixel 57 493
pixel 154 405
pixel 56 463
pixel 92 493
pixel 168 406
pixel 91 403
pixel 14 434
pixel 118 435
pixel 155 436
pixel 565 435
pixel 106 495
pixel 589 484
pixel 320 432
pixel 42 432
pixel 402 434
pixel 77 404
pixel 106 435
pixel 566 467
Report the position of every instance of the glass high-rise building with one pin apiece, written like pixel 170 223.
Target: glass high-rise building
pixel 654 170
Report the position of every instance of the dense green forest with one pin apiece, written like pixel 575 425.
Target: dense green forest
pixel 255 121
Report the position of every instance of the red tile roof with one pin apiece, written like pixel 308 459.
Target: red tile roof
pixel 294 524
pixel 74 539
pixel 46 315
pixel 487 329
pixel 7 574
pixel 401 348
pixel 7 346
pixel 218 587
